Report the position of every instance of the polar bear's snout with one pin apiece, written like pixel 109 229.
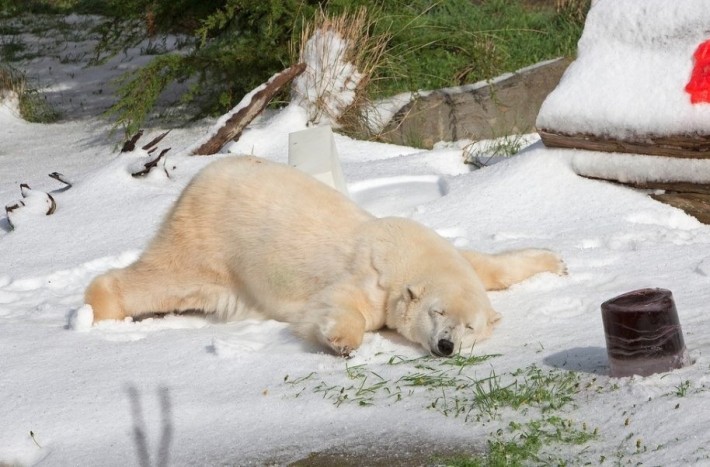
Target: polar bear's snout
pixel 445 347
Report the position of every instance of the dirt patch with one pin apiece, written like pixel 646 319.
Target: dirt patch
pixel 393 455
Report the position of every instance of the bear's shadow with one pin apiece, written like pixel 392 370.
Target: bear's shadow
pixel 592 360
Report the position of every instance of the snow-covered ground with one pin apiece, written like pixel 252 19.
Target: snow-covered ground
pixel 81 389
pixel 186 391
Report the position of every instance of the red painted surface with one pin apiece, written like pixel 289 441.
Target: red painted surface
pixel 699 85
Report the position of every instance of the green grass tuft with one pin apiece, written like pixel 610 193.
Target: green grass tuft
pixel 452 388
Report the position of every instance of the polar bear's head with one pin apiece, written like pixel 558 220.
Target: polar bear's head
pixel 444 317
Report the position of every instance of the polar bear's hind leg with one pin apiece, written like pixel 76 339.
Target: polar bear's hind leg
pixel 500 271
pixel 121 293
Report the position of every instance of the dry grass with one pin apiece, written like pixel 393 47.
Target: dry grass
pixel 32 105
pixel 13 86
pixel 11 80
pixel 347 56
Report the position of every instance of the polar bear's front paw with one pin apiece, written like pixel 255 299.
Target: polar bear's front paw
pixel 344 336
pixel 341 349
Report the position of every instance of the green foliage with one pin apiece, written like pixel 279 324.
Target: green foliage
pixel 245 43
pixel 529 440
pixel 11 48
pixel 482 153
pixel 241 43
pixel 453 42
pixel 454 392
pixel 139 92
pixel 13 7
pixel 35 108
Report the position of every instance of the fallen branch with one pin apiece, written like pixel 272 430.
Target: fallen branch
pixel 251 106
pixel 9 209
pixel 33 200
pixel 61 179
pixel 28 192
pixel 130 145
pixel 148 166
pixel 151 145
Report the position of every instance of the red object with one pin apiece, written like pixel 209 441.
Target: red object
pixel 699 85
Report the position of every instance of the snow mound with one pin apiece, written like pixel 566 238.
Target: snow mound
pixel 82 318
pixel 634 60
pixel 9 106
pixel 328 86
pixel 637 168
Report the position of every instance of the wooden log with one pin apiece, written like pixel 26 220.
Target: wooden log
pixel 683 146
pixel 248 110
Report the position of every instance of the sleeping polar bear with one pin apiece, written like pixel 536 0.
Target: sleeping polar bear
pixel 251 238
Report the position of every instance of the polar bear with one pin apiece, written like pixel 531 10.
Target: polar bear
pixel 252 238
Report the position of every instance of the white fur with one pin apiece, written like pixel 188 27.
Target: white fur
pixel 253 238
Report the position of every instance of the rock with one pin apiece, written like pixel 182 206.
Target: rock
pixel 505 105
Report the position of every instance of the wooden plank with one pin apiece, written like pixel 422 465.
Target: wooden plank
pixel 695 204
pixel 683 146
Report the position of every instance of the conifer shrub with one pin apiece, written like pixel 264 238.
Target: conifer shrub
pixel 239 44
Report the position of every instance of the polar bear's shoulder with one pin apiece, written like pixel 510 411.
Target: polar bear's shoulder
pixel 235 165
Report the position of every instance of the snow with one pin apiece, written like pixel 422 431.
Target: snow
pixel 641 57
pixel 328 86
pixel 77 386
pixel 184 390
pixel 637 168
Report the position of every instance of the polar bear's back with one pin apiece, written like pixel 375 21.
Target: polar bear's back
pixel 260 193
pixel 276 230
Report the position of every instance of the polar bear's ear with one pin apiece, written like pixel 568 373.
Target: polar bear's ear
pixel 412 292
pixel 493 316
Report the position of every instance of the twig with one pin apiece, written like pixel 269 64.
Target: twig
pixel 61 179
pixel 32 435
pixel 155 141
